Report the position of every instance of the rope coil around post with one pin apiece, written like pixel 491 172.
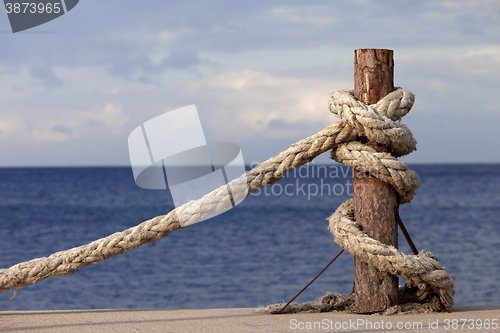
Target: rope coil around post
pixel 423 270
pixel 376 122
pixel 379 123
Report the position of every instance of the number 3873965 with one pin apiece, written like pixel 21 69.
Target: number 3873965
pixel 32 8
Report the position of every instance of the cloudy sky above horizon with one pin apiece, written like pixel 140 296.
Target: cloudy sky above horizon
pixel 260 74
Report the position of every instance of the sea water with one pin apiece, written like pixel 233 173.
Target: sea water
pixel 262 251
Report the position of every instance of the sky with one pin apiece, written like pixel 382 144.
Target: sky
pixel 259 72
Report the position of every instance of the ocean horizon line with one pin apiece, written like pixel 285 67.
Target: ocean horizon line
pixel 246 165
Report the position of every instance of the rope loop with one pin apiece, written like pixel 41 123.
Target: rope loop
pixel 377 122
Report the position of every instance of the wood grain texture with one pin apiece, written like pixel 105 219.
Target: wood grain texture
pixel 374 200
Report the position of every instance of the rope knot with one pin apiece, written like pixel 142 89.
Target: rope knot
pixel 378 122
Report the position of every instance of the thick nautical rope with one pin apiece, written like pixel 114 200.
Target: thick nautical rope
pixel 376 122
pixel 423 270
pixel 267 173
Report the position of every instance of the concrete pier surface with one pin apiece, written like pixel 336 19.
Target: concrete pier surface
pixel 462 319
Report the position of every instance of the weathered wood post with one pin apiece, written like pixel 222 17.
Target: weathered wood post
pixel 374 200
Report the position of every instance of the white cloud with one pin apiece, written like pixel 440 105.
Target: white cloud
pixel 11 125
pixel 166 37
pixel 87 79
pixel 256 70
pixel 46 134
pixel 158 55
pixel 106 122
pixel 148 37
pixel 112 117
pixel 310 15
pixel 256 103
pixel 16 83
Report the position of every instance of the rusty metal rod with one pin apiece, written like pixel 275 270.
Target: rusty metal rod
pixel 300 292
pixel 405 232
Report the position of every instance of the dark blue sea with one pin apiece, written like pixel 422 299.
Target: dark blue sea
pixel 262 251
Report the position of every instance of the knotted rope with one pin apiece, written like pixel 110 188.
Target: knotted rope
pixel 376 122
pixel 422 270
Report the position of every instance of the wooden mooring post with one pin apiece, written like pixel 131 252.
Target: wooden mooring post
pixel 374 200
